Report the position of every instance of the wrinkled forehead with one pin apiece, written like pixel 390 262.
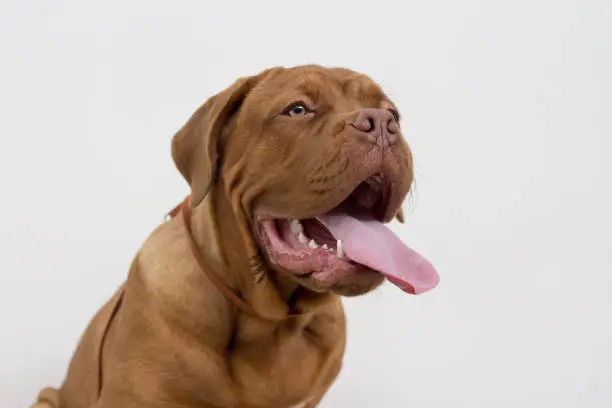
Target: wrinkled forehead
pixel 331 86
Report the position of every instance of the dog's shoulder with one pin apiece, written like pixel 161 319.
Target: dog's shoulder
pixel 167 274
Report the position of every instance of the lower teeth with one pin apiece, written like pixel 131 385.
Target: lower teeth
pixel 339 251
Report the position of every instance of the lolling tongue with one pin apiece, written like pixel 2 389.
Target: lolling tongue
pixel 371 243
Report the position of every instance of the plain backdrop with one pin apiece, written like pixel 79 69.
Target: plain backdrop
pixel 507 106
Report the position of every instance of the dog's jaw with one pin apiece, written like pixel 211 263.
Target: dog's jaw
pixel 320 267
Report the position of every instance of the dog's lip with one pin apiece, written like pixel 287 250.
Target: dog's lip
pixel 306 262
pixel 385 214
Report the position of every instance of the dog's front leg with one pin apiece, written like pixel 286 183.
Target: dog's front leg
pixel 327 379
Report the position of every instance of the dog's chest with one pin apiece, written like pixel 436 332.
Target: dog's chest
pixel 289 368
pixel 283 375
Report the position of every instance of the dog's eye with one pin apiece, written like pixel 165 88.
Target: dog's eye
pixel 297 109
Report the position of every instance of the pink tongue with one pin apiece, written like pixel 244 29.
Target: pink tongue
pixel 371 243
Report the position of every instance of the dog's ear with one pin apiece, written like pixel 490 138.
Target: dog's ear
pixel 194 146
pixel 400 216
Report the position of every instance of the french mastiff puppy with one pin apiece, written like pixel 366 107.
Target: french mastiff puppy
pixel 235 301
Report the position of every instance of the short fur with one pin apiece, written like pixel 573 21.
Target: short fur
pixel 168 338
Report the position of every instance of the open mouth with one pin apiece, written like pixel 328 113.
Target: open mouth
pixel 346 241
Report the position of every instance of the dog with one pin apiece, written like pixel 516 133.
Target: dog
pixel 235 301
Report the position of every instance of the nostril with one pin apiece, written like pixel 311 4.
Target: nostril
pixel 365 123
pixel 393 127
pixel 371 124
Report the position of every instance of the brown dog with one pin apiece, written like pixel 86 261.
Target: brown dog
pixel 235 302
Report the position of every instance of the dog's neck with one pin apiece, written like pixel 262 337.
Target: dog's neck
pixel 219 238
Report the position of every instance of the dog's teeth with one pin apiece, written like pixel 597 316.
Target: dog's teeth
pixel 312 244
pixel 340 249
pixel 296 227
pixel 325 247
pixel 302 238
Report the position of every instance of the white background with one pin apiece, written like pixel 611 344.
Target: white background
pixel 507 106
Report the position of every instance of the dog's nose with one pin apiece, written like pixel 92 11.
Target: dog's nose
pixel 377 125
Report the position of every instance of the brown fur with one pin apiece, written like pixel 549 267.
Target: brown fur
pixel 169 338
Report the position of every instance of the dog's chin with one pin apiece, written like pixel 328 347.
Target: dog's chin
pixel 306 251
pixel 350 280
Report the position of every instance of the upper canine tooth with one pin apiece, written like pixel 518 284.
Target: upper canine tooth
pixel 302 238
pixel 295 227
pixel 340 249
pixel 312 244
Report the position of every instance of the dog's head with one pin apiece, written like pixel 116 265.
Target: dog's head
pixel 313 163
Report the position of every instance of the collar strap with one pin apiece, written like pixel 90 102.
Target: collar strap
pixel 183 208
